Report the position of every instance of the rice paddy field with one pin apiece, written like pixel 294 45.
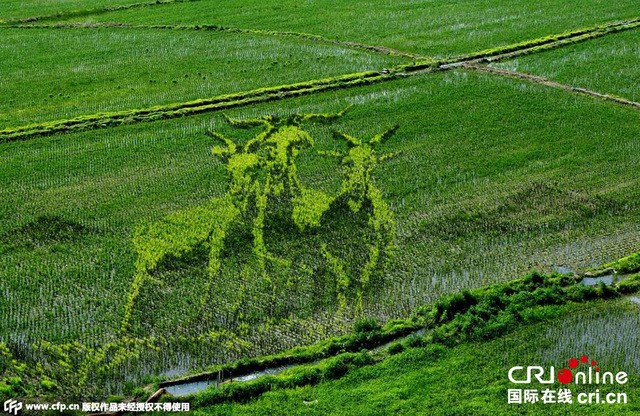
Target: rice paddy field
pixel 21 9
pixel 609 65
pixel 431 28
pixel 103 69
pixel 186 184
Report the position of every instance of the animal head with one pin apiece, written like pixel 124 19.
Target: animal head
pixel 362 155
pixel 273 149
pixel 359 162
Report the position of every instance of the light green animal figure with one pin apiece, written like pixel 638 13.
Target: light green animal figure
pixel 264 167
pixel 360 192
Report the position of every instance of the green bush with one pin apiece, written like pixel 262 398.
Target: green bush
pixel 337 367
pixel 581 293
pixel 630 286
pixel 395 348
pixel 366 325
pixel 417 342
pixel 626 265
pixel 305 376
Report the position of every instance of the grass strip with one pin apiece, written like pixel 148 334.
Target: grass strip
pixel 540 44
pixel 606 30
pixel 111 119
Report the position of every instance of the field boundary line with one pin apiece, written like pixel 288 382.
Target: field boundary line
pixel 629 25
pixel 543 44
pixel 111 119
pixel 544 81
pixel 215 28
pixel 89 12
pixel 183 109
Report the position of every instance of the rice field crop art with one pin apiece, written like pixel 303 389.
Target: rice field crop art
pixel 204 192
pixel 265 196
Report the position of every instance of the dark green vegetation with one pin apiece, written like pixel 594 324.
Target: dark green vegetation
pixel 141 238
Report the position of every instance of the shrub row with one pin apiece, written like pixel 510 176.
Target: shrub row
pixel 625 265
pixel 491 312
pixel 330 369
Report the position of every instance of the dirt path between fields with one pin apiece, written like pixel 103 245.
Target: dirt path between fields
pixel 89 12
pixel 544 81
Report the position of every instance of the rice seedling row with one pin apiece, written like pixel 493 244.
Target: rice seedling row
pixel 549 83
pixel 607 65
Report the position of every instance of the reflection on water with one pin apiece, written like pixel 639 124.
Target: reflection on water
pixel 563 270
pixel 417 334
pixel 607 280
pixel 189 388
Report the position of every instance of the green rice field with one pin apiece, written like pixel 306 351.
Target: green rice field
pixel 196 186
